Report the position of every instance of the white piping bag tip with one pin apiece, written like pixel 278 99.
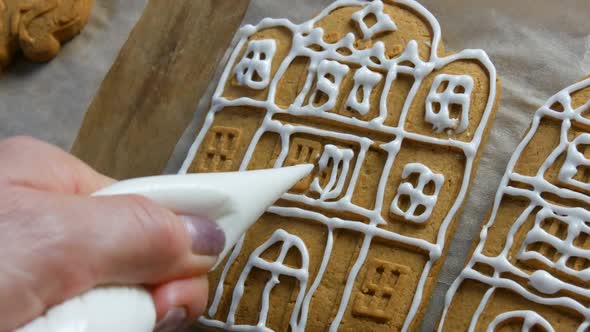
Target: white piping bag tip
pixel 251 194
pixel 234 200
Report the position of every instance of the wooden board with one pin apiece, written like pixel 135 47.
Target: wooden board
pixel 151 92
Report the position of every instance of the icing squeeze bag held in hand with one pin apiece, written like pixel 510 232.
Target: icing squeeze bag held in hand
pixel 234 200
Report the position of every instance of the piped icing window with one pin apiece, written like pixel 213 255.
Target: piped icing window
pixel 378 292
pixel 254 69
pixel 360 96
pixel 329 78
pixel 560 242
pixel 417 196
pixel 372 20
pixel 448 103
pixel 576 163
pixel 339 159
pixel 287 242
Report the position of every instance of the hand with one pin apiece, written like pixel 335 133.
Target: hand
pixel 57 242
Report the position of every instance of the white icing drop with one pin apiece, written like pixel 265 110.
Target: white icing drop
pixel 325 59
pixel 254 68
pixel 544 282
pixel 384 22
pixel 365 80
pixel 416 194
pixel 440 116
pixel 573 219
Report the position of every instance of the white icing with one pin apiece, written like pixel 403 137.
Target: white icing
pixel 323 59
pixel 480 308
pixel 340 159
pixel 573 219
pixel 329 77
pixel 441 117
pixel 575 159
pixel 565 248
pixel 276 268
pixel 530 320
pixel 384 22
pixel 256 64
pixel 416 194
pixel 366 80
pixel 584 327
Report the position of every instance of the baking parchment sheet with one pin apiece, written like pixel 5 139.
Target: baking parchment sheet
pixel 538 46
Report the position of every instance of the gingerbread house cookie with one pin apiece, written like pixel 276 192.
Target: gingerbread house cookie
pixel 531 269
pixel 394 126
pixel 39 27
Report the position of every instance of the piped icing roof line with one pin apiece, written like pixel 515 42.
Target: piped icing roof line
pixel 306 27
pixel 308 31
pixel 421 70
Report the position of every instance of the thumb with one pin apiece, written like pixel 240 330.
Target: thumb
pixel 82 242
pixel 138 241
pixel 117 239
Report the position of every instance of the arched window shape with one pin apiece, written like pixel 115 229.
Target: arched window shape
pixel 340 161
pixel 576 163
pixel 418 194
pixel 448 103
pixel 364 82
pixel 277 268
pixel 329 77
pixel 525 319
pixel 256 64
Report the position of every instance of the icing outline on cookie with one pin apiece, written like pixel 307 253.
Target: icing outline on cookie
pixel 575 218
pixel 305 36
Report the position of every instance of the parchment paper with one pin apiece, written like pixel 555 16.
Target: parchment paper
pixel 538 46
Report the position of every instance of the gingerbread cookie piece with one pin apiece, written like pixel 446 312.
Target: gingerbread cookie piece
pixel 394 126
pixel 531 269
pixel 39 27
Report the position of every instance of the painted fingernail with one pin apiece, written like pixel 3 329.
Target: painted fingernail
pixel 174 320
pixel 208 239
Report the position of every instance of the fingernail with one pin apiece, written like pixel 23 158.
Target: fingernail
pixel 174 320
pixel 208 239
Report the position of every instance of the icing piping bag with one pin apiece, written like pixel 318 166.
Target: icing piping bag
pixel 234 200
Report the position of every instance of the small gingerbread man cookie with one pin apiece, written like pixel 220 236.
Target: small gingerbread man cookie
pixel 39 27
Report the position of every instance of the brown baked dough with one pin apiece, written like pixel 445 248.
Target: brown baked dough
pixel 38 28
pixel 394 126
pixel 529 270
